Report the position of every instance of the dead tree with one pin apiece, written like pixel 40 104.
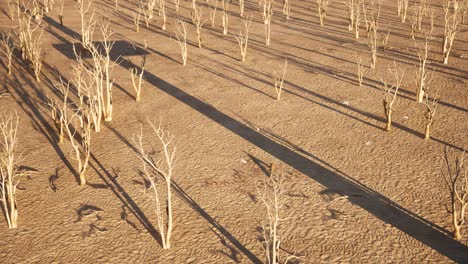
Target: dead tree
pixel 279 80
pixel 390 93
pixel 102 65
pixel 76 124
pixel 213 13
pixel 107 64
pixel 430 106
pixel 421 10
pixel 384 39
pixel 357 17
pixel 30 40
pixel 60 11
pixel 243 38
pixel 136 20
pixel 162 10
pixel 322 6
pixel 272 194
pixel 403 9
pixel 286 8
pixel 147 8
pixel 7 48
pixel 422 72
pixel 150 5
pixel 453 22
pixel 225 17
pixel 8 167
pixel 160 168
pixel 12 7
pixel 267 16
pixel 84 80
pixel 80 139
pixel 198 25
pixel 371 18
pixel 181 36
pixel 456 180
pixel 36 56
pixel 87 24
pixel 58 111
pixel 137 79
pixel 360 70
pixel 350 4
pixel 241 7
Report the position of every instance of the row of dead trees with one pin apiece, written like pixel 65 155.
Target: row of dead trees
pixel 360 11
pixel 454 11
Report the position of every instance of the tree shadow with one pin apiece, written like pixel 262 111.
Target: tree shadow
pixel 28 104
pixel 233 254
pixel 265 167
pixel 124 217
pixel 52 179
pixel 110 180
pixel 195 206
pixel 121 48
pixel 215 224
pixel 87 210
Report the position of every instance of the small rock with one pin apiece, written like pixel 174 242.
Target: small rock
pixel 243 161
pixel 368 143
pixel 346 103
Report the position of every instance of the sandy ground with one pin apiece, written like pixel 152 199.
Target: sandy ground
pixel 326 132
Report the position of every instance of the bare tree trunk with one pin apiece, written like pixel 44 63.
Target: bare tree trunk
pixel 83 177
pixel 389 122
pixel 427 131
pixel 456 226
pixel 169 214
